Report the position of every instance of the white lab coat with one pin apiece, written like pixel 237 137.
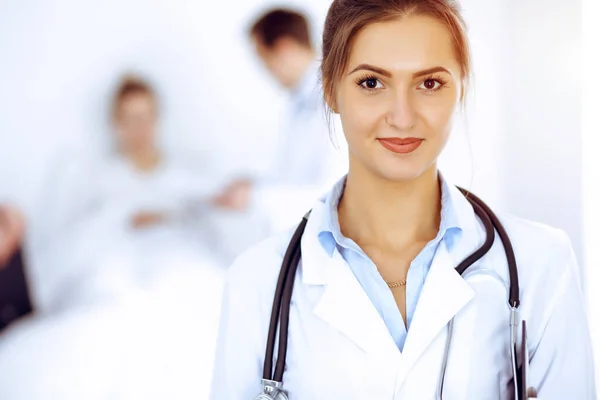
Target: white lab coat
pixel 339 348
pixel 309 157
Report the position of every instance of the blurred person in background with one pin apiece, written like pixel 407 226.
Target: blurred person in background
pixel 12 228
pixel 130 293
pixel 161 197
pixel 305 162
pixel 140 175
pixel 127 219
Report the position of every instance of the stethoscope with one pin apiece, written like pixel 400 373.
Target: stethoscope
pixel 272 381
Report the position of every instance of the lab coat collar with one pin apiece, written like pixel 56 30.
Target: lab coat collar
pixel 344 304
pixel 463 211
pixel 346 307
pixel 315 260
pixel 316 257
pixel 330 234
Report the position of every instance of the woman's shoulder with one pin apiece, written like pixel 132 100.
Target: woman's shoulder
pixel 546 264
pixel 260 264
pixel 537 242
pixel 550 287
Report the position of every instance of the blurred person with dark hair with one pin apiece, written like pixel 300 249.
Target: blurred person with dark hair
pixel 283 42
pixel 305 163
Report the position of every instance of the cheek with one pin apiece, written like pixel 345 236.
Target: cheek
pixel 271 66
pixel 124 133
pixel 275 66
pixel 437 114
pixel 360 115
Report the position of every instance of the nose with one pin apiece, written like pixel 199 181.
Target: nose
pixel 401 113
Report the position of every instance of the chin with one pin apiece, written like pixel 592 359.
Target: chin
pixel 399 176
pixel 401 171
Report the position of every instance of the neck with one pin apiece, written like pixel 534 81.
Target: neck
pixel 390 215
pixel 300 66
pixel 144 159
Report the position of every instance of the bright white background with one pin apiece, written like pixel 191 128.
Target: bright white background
pixel 591 170
pixel 523 148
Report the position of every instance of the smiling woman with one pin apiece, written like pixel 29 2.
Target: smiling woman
pixel 401 84
pixel 378 310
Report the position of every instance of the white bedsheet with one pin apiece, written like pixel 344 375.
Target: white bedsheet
pixel 140 324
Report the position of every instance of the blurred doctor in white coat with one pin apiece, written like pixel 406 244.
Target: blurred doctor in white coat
pixel 308 159
pixel 376 286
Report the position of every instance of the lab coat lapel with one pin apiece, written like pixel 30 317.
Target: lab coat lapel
pixel 344 305
pixel 444 294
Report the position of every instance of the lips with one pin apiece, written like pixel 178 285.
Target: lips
pixel 401 146
pixel 399 141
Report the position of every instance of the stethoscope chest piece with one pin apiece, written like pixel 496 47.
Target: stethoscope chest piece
pixel 272 391
pixel 278 396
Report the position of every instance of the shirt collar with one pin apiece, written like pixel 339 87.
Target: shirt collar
pixel 330 234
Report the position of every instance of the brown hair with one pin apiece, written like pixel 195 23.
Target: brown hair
pixel 347 17
pixel 278 23
pixel 130 85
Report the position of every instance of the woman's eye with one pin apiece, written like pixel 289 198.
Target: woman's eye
pixel 371 84
pixel 430 84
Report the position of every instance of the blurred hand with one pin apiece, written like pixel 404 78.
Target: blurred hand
pixel 146 219
pixel 12 228
pixel 236 196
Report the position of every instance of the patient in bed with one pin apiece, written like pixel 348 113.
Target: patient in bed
pixel 123 220
pixel 129 292
pixel 140 177
pixel 151 194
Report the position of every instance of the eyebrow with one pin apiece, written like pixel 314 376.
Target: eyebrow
pixel 387 74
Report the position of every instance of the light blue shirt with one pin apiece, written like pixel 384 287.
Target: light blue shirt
pixel 366 272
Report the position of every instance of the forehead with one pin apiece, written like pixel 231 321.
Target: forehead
pixel 137 98
pixel 405 44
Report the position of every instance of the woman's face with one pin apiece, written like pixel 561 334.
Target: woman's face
pixel 398 96
pixel 135 122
